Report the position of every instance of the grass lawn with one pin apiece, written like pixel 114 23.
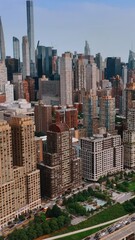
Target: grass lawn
pixel 131 186
pixel 108 214
pixel 126 186
pixel 82 235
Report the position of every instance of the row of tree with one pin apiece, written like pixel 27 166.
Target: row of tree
pixel 41 225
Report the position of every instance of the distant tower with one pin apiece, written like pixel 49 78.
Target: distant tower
pixel 107 111
pixel 30 34
pixel 16 48
pixel 86 49
pixel 25 56
pixel 2 43
pixel 66 79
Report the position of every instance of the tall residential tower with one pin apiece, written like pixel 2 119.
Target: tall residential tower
pixel 30 34
pixel 2 43
pixel 16 48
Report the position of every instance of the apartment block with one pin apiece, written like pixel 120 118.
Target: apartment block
pixel 90 120
pixel 67 115
pixel 107 111
pixel 61 169
pixel 101 154
pixel 66 86
pixel 129 140
pixel 43 117
pixel 19 177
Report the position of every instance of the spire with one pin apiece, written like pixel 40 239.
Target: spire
pixel 2 43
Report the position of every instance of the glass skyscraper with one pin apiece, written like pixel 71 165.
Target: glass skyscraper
pixel 30 34
pixel 16 48
pixel 2 43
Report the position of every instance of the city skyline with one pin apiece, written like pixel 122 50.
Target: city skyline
pixel 66 25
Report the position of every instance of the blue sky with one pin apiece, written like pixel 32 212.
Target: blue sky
pixel 108 25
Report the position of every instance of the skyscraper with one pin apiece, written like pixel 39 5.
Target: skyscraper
pixel 2 43
pixel 66 79
pixel 90 120
pixel 80 72
pixel 30 34
pixel 25 56
pixel 16 48
pixel 3 76
pixel 19 177
pixel 61 170
pixel 86 49
pixel 107 111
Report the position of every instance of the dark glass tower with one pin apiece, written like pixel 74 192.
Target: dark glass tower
pixel 16 48
pixel 2 43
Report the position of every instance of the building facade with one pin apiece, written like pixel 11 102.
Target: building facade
pixel 61 170
pixel 43 117
pixel 66 88
pixel 19 178
pixel 107 111
pixel 30 34
pixel 26 57
pixel 101 154
pixel 2 43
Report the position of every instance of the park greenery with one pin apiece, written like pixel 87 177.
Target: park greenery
pixel 41 225
pixel 73 204
pixel 112 212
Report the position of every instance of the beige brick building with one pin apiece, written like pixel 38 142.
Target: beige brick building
pixel 101 154
pixel 129 140
pixel 19 178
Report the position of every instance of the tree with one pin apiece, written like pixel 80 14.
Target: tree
pixel 61 221
pixel 31 233
pixel 39 230
pixel 1 238
pixel 46 228
pixel 18 234
pixel 54 212
pixel 53 225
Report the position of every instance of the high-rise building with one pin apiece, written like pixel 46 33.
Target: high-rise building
pixel 129 140
pixel 67 115
pixel 2 43
pixel 86 49
pixel 117 92
pixel 9 91
pixel 19 178
pixel 113 67
pixel 92 77
pixel 101 154
pixel 107 111
pixel 30 34
pixel 90 119
pixel 129 96
pixel 131 60
pixel 13 66
pixel 18 86
pixel 26 57
pixel 99 62
pixel 66 88
pixel 124 75
pixel 43 117
pixel 3 76
pixel 40 61
pixel 61 170
pixel 16 48
pixel 80 72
